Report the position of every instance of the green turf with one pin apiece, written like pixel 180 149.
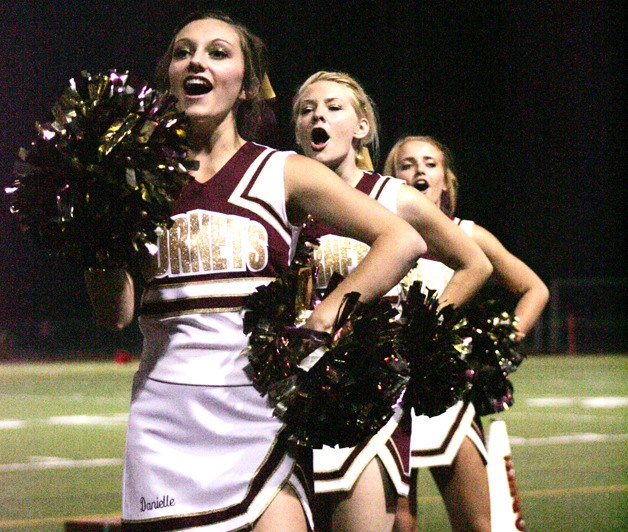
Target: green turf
pixel 574 486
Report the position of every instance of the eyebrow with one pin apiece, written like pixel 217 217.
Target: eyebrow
pixel 326 100
pixel 413 158
pixel 214 41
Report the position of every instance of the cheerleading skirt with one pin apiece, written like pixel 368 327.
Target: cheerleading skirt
pixel 336 469
pixel 206 456
pixel 435 441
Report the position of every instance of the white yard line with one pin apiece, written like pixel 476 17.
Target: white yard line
pixel 586 437
pixel 54 462
pixel 114 419
pixel 583 402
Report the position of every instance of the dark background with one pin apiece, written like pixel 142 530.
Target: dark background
pixel 528 95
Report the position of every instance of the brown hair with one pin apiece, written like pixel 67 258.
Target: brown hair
pixel 256 64
pixel 362 103
pixel 449 198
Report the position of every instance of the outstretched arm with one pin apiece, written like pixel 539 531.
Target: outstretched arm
pixel 448 243
pixel 314 189
pixel 518 277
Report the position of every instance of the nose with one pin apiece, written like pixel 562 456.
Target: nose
pixel 196 63
pixel 318 115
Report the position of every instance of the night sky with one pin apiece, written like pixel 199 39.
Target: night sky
pixel 528 95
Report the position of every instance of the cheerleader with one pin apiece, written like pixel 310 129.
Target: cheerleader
pixel 335 123
pixel 452 445
pixel 203 448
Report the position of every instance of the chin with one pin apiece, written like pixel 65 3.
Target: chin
pixel 318 156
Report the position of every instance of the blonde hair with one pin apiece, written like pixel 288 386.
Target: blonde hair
pixel 449 198
pixel 362 104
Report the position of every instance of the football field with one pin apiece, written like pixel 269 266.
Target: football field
pixel 62 429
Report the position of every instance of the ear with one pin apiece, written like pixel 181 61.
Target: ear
pixel 362 129
pixel 243 96
pixel 252 91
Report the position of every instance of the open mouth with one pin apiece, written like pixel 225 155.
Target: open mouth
pixel 421 185
pixel 196 86
pixel 319 138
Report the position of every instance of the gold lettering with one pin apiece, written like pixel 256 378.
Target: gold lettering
pixel 235 228
pixel 319 268
pixel 195 242
pixel 330 260
pixel 218 228
pixel 160 259
pixel 179 252
pixel 258 246
pixel 344 257
pixel 337 254
pixel 201 241
pixel 204 242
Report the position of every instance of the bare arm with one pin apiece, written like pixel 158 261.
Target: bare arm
pixel 517 276
pixel 312 188
pixel 112 295
pixel 448 243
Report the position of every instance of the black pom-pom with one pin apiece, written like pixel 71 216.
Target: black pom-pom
pixel 494 355
pixel 352 390
pixel 436 351
pixel 99 181
pixel 337 389
pixel 276 344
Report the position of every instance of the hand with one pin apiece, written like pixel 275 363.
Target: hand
pixel 519 336
pixel 321 319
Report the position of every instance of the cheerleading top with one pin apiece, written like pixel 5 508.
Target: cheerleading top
pixel 341 254
pixel 434 274
pixel 229 236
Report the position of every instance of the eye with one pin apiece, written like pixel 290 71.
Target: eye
pixel 218 53
pixel 405 166
pixel 335 107
pixel 305 109
pixel 181 52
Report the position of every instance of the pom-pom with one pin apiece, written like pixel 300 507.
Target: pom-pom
pixel 98 182
pixel 337 389
pixel 494 355
pixel 351 389
pixel 436 351
pixel 276 344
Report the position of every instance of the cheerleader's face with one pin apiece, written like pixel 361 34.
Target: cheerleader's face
pixel 420 165
pixel 207 69
pixel 327 125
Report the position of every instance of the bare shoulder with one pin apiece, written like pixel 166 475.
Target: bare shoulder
pixel 486 240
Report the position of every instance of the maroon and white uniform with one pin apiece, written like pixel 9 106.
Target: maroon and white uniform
pixel 435 441
pixel 203 449
pixel 337 469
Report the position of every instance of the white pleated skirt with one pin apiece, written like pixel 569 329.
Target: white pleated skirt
pixel 435 441
pixel 205 456
pixel 338 468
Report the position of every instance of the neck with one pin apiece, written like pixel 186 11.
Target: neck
pixel 212 147
pixel 348 171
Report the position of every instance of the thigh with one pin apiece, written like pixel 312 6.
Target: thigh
pixel 464 488
pixel 284 514
pixel 369 506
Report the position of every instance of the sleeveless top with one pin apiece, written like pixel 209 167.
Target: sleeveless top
pixel 434 274
pixel 342 254
pixel 229 236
